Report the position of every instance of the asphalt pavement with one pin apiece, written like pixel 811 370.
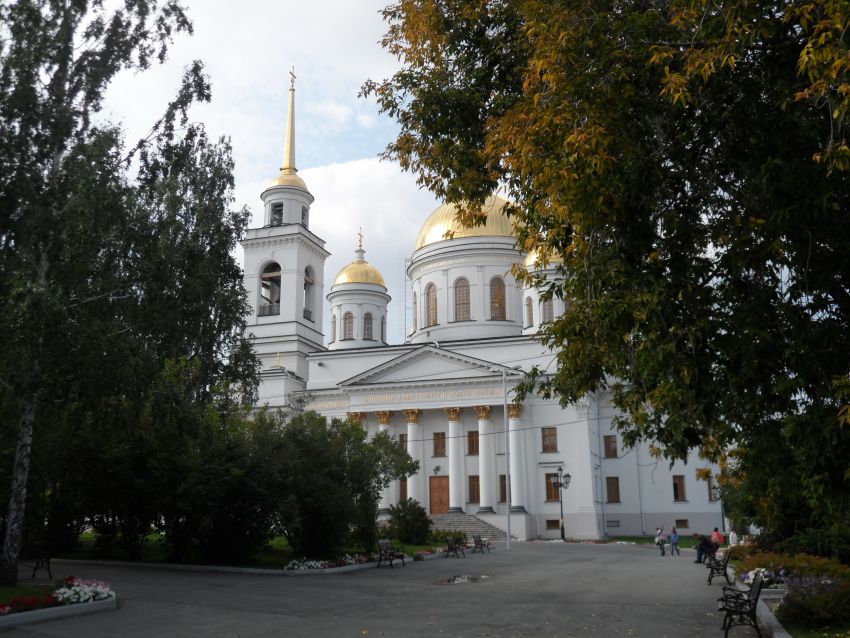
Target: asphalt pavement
pixel 539 590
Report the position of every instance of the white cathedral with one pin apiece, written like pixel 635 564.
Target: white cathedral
pixel 446 392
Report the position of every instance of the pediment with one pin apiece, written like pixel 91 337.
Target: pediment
pixel 427 364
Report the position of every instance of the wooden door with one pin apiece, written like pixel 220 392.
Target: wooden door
pixel 439 489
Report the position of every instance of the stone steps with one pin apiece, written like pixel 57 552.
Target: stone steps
pixel 468 524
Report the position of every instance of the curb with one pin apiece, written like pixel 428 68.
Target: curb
pixel 766 617
pixel 58 613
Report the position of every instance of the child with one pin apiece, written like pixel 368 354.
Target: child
pixel 674 543
pixel 660 539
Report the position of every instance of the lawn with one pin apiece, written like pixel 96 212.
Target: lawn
pixel 685 541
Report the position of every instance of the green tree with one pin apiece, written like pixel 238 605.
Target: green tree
pixel 114 262
pixel 687 160
pixel 332 479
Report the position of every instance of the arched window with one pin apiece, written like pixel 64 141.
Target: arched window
pixel 348 326
pixel 384 329
pixel 276 217
pixel 529 312
pixel 497 298
pixel 462 300
pixel 308 293
pixel 333 328
pixel 547 315
pixel 269 291
pixel 430 305
pixel 367 326
pixel 415 320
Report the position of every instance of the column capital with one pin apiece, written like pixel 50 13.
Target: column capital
pixel 413 415
pixel 357 417
pixel 384 417
pixel 514 410
pixel 483 412
pixel 453 413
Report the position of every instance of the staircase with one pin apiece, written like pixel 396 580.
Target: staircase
pixel 468 524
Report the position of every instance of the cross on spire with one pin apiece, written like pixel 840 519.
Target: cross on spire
pixel 360 239
pixel 292 79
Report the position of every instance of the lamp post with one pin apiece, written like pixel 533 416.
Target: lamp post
pixel 562 482
pixel 716 494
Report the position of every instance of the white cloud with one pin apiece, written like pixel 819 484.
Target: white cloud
pixel 248 52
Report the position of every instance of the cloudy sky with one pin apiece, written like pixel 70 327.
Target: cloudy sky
pixel 248 48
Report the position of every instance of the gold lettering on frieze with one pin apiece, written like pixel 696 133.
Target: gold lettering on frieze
pixel 417 397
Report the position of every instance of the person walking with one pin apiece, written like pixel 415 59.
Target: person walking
pixel 660 539
pixel 717 539
pixel 674 543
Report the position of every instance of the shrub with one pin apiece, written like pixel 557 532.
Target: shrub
pixel 409 522
pixel 815 601
pixel 439 536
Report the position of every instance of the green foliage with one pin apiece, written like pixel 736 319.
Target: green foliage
pixel 705 260
pixel 331 479
pixel 409 522
pixel 439 536
pixel 117 279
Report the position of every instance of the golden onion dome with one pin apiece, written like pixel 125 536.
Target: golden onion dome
pixel 534 262
pixel 442 224
pixel 360 271
pixel 286 178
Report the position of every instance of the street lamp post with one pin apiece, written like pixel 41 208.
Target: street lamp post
pixel 717 495
pixel 562 482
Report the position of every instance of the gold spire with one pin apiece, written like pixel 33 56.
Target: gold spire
pixel 288 173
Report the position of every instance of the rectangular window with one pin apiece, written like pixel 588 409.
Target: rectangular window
pixel 679 488
pixel 682 523
pixel 612 488
pixel 402 490
pixel 472 443
pixel 402 441
pixel 712 490
pixel 551 489
pixel 474 489
pixel 439 443
pixel 611 446
pixel 503 489
pixel 550 439
pixel 610 523
pixel 553 523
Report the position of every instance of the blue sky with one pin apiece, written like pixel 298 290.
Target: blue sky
pixel 248 48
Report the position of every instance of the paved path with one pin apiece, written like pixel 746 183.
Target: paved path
pixel 539 590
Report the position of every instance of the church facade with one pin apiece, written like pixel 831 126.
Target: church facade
pixel 446 393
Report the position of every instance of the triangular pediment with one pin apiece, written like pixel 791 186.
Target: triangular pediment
pixel 427 364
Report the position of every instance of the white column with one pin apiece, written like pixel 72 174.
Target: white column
pixel 414 449
pixel 518 474
pixel 486 460
pixel 390 494
pixel 456 473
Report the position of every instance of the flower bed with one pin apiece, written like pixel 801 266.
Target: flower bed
pixel 302 564
pixel 70 591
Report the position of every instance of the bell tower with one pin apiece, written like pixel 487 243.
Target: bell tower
pixel 284 274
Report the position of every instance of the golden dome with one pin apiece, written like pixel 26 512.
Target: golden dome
pixel 360 271
pixel 533 261
pixel 286 178
pixel 444 220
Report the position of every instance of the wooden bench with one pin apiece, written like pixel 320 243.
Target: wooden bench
pixel 718 566
pixel 388 552
pixel 741 606
pixel 480 544
pixel 453 547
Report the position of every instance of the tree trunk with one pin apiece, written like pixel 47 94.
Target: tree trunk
pixel 18 498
